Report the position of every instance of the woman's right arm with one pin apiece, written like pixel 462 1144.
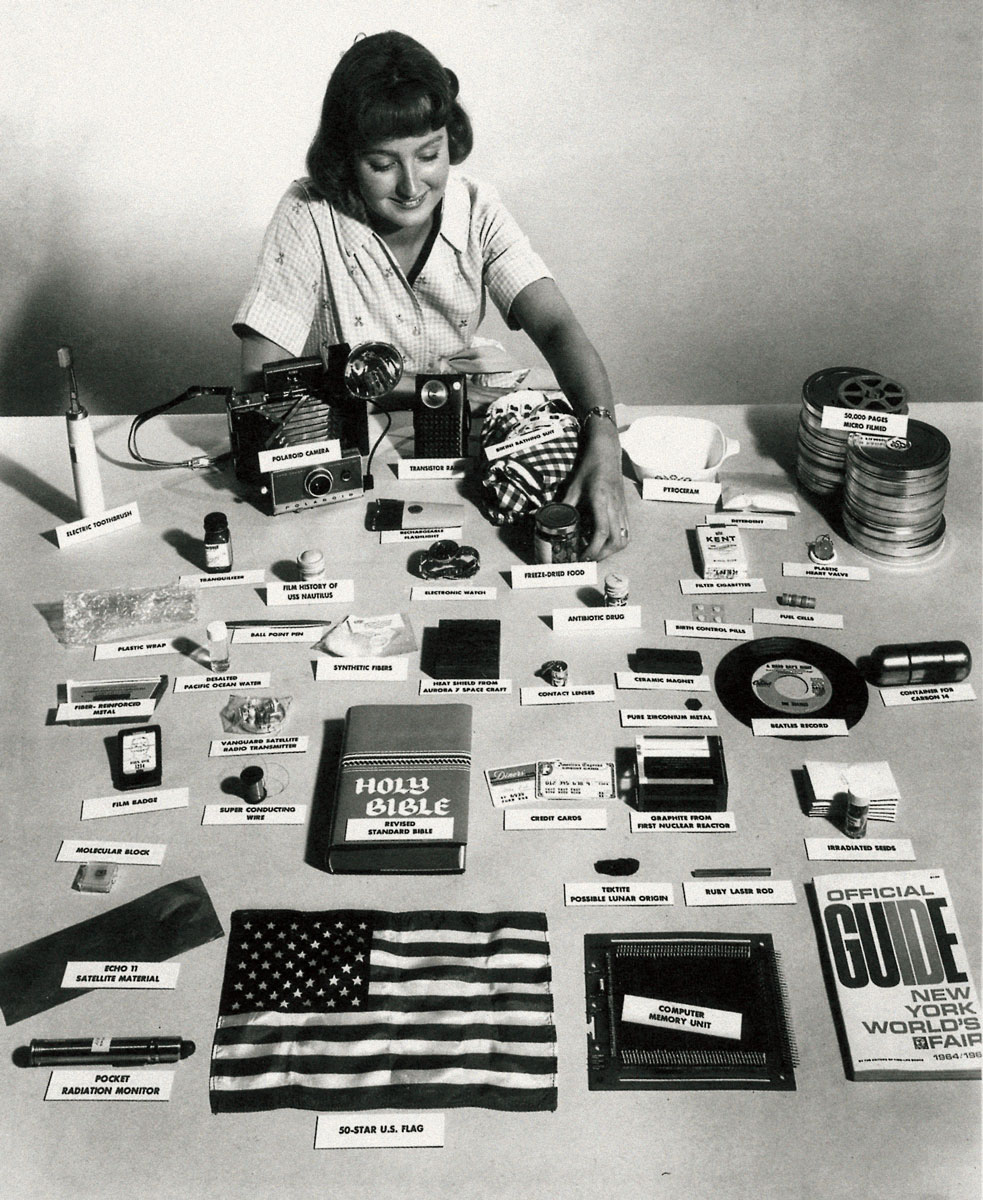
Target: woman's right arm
pixel 255 352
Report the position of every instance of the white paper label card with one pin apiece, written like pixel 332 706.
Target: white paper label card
pixel 220 681
pixel 101 974
pixel 392 669
pixel 556 780
pixel 88 528
pixel 682 822
pixel 710 893
pixel 305 454
pixel 699 587
pixel 876 849
pixel 599 895
pixel 633 718
pixel 304 634
pixel 378 1130
pixel 598 694
pixel 452 592
pixel 550 575
pixel 794 570
pixel 106 711
pixel 793 616
pixel 925 693
pixel 134 802
pixel 227 747
pixel 386 829
pixel 768 727
pixel 432 468
pixel 140 648
pixel 330 591
pixel 681 491
pixel 108 1083
pixel 465 687
pixel 431 533
pixel 555 818
pixel 145 854
pixel 511 785
pixel 225 579
pixel 580 620
pixel 249 814
pixel 747 520
pixel 538 435
pixel 695 629
pixel 860 420
pixel 634 681
pixel 688 1018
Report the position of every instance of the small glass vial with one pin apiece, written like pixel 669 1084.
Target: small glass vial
pixel 310 565
pixel 218 543
pixel 858 799
pixel 615 591
pixel 218 646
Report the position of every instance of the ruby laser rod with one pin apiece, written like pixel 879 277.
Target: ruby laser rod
pixel 81 445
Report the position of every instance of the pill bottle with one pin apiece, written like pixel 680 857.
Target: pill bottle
pixel 218 543
pixel 615 591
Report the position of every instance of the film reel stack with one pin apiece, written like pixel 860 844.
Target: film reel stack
pixel 821 463
pixel 894 492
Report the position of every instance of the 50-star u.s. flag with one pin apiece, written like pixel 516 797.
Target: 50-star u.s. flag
pixel 352 1010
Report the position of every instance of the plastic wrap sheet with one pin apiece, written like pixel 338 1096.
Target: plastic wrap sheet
pixel 118 613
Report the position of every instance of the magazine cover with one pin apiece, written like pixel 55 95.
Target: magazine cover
pixel 908 1005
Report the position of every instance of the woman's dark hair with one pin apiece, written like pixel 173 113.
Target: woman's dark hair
pixel 386 86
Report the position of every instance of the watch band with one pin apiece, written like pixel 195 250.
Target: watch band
pixel 598 411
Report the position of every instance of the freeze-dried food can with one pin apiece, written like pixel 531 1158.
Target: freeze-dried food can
pixel 556 534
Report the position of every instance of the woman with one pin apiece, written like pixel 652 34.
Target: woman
pixel 386 242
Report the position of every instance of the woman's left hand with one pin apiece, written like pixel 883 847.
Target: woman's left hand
pixel 597 486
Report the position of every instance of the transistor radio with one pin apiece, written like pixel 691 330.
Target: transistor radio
pixel 441 416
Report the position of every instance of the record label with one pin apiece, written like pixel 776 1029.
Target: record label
pixel 789 686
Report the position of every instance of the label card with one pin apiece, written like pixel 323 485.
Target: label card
pixel 378 1130
pixel 557 780
pixel 555 818
pixel 697 587
pixel 768 727
pixel 880 849
pixel 726 633
pixel 224 579
pixel 134 802
pixel 140 648
pixel 664 1014
pixel 747 520
pixel 537 435
pixel 108 1083
pixel 860 420
pixel 681 491
pixel 220 681
pixel 547 575
pixel 299 456
pixel 381 829
pixel 254 814
pixel 305 634
pixel 331 591
pixel 632 718
pixel 810 570
pixel 682 822
pixel 634 681
pixel 463 687
pixel 432 533
pixel 459 592
pixel 595 895
pixel 227 747
pixel 512 785
pixel 711 892
pixel 106 711
pixel 105 691
pixel 394 668
pixel 598 694
pixel 432 468
pixel 796 616
pixel 145 854
pixel 92 527
pixel 100 974
pixel 579 620
pixel 927 693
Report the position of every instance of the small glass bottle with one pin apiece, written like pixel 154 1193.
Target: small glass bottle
pixel 218 646
pixel 858 797
pixel 310 565
pixel 218 543
pixel 615 591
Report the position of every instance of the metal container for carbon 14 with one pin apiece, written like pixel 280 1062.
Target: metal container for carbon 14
pixel 821 457
pixel 894 493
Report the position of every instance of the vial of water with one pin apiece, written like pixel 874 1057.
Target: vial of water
pixel 218 646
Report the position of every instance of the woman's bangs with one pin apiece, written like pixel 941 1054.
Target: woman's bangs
pixel 406 111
